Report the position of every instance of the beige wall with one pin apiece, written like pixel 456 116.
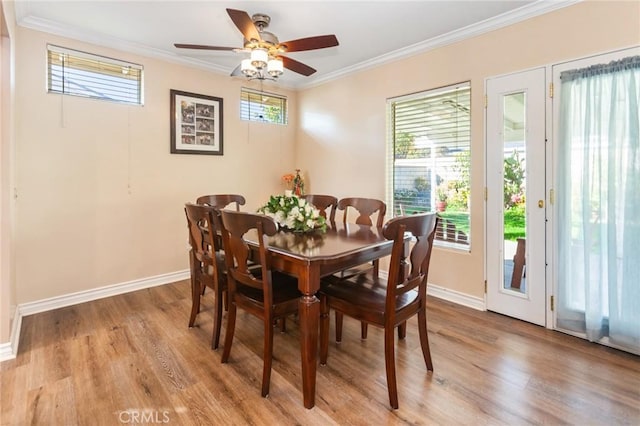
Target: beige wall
pixel 99 195
pixel 342 123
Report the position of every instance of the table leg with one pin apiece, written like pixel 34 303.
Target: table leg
pixel 309 310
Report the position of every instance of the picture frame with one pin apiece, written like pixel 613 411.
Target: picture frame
pixel 196 123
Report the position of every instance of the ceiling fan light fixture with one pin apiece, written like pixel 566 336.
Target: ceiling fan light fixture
pixel 275 68
pixel 247 68
pixel 259 58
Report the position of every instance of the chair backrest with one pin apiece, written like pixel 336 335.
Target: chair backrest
pixel 238 253
pixel 203 223
pixel 365 207
pixel 220 201
pixel 406 274
pixel 322 203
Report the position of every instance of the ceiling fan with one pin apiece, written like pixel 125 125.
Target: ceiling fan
pixel 267 59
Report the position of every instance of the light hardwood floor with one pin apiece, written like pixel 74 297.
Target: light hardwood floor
pixel 131 359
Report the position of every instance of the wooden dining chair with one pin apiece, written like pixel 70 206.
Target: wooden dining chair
pixel 206 262
pixel 267 294
pixel 366 209
pixel 322 203
pixel 221 201
pixel 387 303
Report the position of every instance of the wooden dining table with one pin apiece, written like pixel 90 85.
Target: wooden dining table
pixel 311 256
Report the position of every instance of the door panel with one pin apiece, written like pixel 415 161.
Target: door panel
pixel 516 200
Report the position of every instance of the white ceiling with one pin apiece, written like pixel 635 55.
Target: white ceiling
pixel 369 32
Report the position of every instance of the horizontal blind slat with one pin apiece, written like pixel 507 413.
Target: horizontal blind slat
pixel 83 74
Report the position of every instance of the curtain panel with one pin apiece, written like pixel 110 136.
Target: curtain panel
pixel 599 203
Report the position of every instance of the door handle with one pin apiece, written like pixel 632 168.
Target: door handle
pixel 541 203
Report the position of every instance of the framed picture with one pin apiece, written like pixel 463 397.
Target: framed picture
pixel 196 124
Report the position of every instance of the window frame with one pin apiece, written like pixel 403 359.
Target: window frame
pixel 245 111
pixel 107 81
pixel 463 128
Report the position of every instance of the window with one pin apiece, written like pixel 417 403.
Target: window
pixel 263 106
pixel 71 72
pixel 429 158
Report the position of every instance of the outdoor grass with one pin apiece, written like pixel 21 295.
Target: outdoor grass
pixel 514 222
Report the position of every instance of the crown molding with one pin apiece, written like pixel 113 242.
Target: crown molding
pixel 508 18
pixel 51 27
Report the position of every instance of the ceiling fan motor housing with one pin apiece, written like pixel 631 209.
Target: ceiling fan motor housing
pixel 261 21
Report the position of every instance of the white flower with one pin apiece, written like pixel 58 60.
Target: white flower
pixel 290 222
pixel 293 213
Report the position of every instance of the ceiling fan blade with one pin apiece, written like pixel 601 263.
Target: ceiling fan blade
pixel 244 23
pixel 202 47
pixel 310 43
pixel 296 66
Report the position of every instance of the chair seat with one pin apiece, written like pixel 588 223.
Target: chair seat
pixel 365 295
pixel 285 288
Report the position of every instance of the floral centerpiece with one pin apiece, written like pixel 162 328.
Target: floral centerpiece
pixel 293 213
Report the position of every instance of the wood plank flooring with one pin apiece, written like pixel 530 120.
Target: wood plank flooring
pixel 131 359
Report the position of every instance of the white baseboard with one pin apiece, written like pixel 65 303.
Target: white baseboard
pixel 9 350
pixel 6 352
pixel 456 297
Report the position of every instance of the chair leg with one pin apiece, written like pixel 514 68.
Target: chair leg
pixel 267 357
pixel 390 366
pixel 228 335
pixel 338 326
pixel 324 330
pixel 283 324
pixel 363 330
pixel 195 295
pixel 217 320
pixel 402 330
pixel 424 338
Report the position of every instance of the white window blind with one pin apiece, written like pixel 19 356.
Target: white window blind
pixel 71 72
pixel 263 106
pixel 429 158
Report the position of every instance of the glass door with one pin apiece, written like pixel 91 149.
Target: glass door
pixel 516 201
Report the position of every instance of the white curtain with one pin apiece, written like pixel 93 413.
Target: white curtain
pixel 599 203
